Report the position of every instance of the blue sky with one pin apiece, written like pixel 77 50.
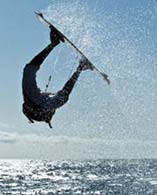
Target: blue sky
pixel 119 36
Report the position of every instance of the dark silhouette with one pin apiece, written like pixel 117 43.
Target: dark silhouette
pixel 41 106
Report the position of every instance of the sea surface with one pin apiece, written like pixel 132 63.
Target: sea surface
pixel 99 177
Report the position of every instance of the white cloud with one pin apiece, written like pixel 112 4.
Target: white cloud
pixel 7 138
pixel 4 125
pixel 14 145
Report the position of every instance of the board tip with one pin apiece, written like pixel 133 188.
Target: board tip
pixel 38 13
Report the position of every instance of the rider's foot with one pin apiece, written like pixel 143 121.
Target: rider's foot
pixel 55 36
pixel 85 64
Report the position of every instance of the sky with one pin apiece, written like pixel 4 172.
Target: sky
pixel 99 121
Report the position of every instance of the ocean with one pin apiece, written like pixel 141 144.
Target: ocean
pixel 98 177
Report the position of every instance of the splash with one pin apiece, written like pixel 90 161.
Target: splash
pixel 77 22
pixel 119 39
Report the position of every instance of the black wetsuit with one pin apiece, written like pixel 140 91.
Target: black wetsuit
pixel 33 95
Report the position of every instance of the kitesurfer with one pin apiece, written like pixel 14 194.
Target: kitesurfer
pixel 38 105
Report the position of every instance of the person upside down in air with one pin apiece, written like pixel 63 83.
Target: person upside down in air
pixel 38 105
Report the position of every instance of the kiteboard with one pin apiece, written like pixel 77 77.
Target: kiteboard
pixel 41 17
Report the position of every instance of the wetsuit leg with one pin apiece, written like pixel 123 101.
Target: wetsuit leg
pixel 40 57
pixel 29 84
pixel 69 85
pixel 63 95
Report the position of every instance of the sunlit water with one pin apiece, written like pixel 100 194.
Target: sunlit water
pixel 124 49
pixel 105 177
